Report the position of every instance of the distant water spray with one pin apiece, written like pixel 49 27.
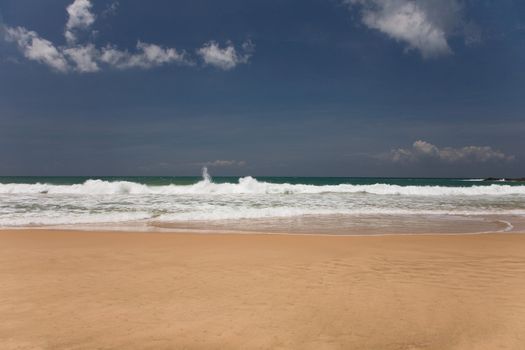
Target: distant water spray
pixel 205 175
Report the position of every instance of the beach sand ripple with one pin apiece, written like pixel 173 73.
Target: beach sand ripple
pixel 95 290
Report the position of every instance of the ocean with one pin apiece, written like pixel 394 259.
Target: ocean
pixel 324 205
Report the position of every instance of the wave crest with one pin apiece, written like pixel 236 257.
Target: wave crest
pixel 249 185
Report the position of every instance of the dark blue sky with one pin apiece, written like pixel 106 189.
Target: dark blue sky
pixel 304 87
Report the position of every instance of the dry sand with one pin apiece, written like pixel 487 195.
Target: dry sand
pixel 96 290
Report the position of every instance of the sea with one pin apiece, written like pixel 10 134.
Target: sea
pixel 291 205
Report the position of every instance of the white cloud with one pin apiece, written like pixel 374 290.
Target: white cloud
pixel 79 17
pixel 36 48
pixel 422 150
pixel 148 56
pixel 84 58
pixel 423 25
pixel 225 58
pixel 225 163
pixel 88 58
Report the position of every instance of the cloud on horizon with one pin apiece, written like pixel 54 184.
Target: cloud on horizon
pixel 88 58
pixel 225 163
pixel 424 25
pixel 425 151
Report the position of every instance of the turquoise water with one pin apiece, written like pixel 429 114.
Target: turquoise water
pixel 189 180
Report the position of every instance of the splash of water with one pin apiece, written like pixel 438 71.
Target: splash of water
pixel 206 177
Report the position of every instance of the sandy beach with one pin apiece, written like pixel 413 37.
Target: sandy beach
pixel 108 290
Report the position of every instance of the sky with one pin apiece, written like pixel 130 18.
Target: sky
pixel 405 88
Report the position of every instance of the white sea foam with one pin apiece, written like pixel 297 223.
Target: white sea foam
pixel 264 213
pixel 67 218
pixel 221 214
pixel 115 202
pixel 249 185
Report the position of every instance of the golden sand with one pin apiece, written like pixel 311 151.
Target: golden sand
pixel 100 290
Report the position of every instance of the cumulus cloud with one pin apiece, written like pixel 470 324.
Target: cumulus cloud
pixel 147 56
pixel 84 58
pixel 225 58
pixel 88 58
pixel 423 25
pixel 36 48
pixel 79 17
pixel 225 163
pixel 422 150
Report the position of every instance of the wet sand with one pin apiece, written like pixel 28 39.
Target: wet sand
pixel 109 290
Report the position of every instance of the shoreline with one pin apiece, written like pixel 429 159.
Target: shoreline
pixel 185 232
pixel 515 227
pixel 151 290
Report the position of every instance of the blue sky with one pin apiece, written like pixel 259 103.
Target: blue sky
pixel 305 87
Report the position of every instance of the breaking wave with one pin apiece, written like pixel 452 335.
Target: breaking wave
pixel 249 185
pixel 97 201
